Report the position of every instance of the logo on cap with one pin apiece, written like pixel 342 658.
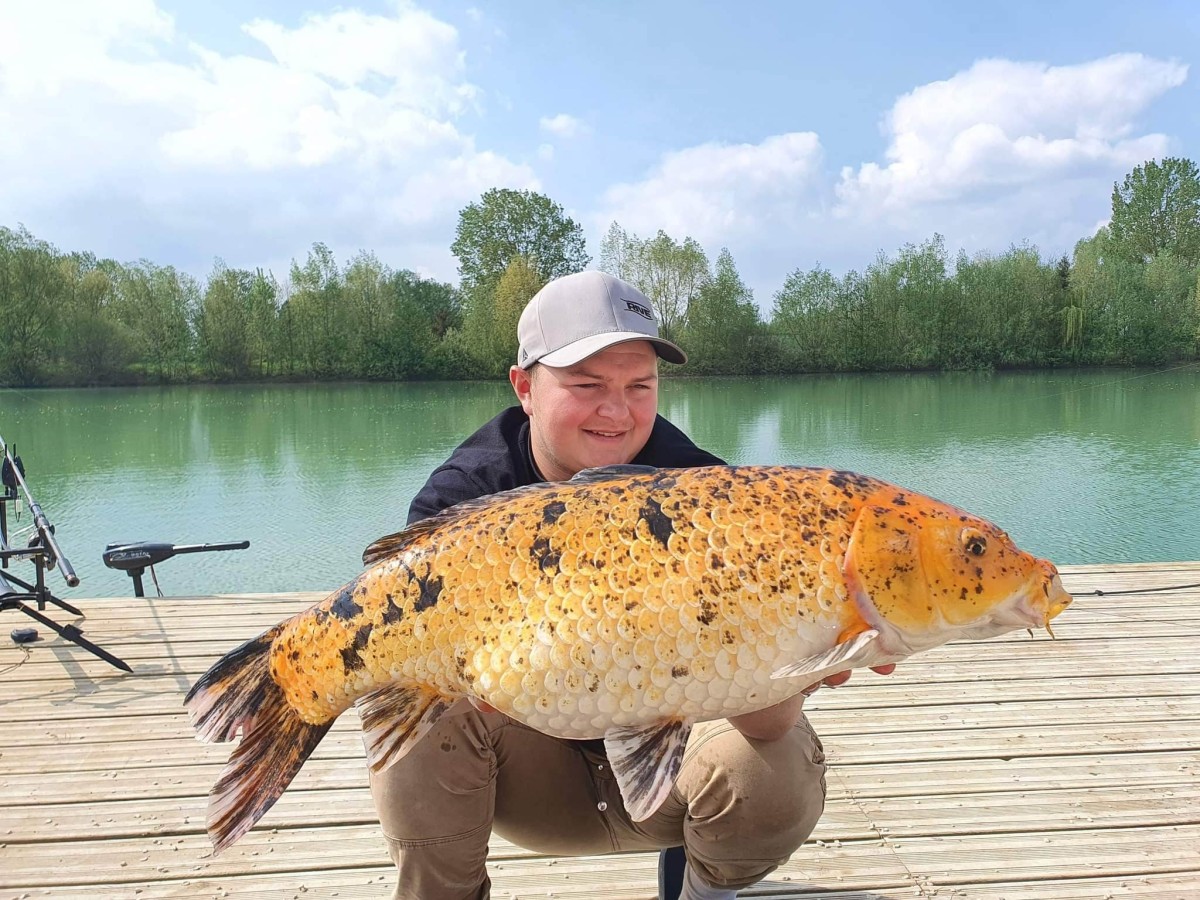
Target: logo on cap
pixel 642 311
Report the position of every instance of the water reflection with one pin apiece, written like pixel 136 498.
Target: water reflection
pixel 1081 466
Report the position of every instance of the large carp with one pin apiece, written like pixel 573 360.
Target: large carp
pixel 624 604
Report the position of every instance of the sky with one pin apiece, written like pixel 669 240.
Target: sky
pixel 795 134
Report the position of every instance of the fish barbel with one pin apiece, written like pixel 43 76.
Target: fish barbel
pixel 624 604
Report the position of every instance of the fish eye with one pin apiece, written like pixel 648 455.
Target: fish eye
pixel 974 542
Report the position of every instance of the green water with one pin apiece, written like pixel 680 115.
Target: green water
pixel 1080 467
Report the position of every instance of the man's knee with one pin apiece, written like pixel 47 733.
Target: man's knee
pixel 444 787
pixel 751 804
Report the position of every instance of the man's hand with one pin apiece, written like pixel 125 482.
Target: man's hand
pixel 842 677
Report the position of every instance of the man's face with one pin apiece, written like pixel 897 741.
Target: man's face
pixel 598 412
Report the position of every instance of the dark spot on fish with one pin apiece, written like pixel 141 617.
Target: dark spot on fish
pixel 593 682
pixel 431 589
pixel 979 588
pixel 808 535
pixel 963 594
pixel 553 511
pixel 393 613
pixel 344 606
pixel 315 695
pixel 630 605
pixel 679 671
pixel 899 500
pixel 839 479
pixel 665 482
pixel 460 666
pixel 294 655
pixel 546 557
pixel 352 656
pixel 659 522
pixel 708 612
pixel 447 746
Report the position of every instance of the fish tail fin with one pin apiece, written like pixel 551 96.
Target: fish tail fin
pixel 238 695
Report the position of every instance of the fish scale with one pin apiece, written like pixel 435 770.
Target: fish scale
pixel 624 604
pixel 718 626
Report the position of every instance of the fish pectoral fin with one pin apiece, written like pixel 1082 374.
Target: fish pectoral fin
pixel 646 761
pixel 394 718
pixel 861 650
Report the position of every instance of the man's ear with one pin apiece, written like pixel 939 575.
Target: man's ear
pixel 522 383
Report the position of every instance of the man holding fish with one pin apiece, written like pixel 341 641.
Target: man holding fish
pixel 751 787
pixel 593 637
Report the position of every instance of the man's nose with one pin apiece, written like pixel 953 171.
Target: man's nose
pixel 614 405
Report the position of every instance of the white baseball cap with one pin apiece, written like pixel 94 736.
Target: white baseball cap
pixel 578 315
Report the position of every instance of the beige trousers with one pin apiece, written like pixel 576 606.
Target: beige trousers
pixel 740 807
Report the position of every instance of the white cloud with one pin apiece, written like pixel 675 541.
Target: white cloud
pixel 563 126
pixel 344 128
pixel 1001 125
pixel 719 192
pixel 1000 154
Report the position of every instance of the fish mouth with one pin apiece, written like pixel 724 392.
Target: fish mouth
pixel 1043 611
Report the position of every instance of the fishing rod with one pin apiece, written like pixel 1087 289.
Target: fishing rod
pixel 13 478
pixel 45 553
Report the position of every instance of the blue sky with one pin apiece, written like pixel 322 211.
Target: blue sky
pixel 795 134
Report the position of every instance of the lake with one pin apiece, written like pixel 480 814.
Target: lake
pixel 1082 467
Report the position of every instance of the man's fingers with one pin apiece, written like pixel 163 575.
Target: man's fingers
pixel 843 677
pixel 835 680
pixel 481 706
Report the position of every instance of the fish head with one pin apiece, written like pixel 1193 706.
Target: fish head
pixel 927 573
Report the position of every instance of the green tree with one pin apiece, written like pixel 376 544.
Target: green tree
pixel 223 323
pixel 32 289
pixel 315 328
pixel 724 334
pixel 262 318
pixel 96 346
pixel 670 273
pixel 618 253
pixel 506 224
pixel 1156 209
pixel 516 288
pixel 158 306
pixel 367 309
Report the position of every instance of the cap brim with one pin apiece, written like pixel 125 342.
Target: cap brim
pixel 590 346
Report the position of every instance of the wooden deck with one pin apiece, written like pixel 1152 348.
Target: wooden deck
pixel 1012 769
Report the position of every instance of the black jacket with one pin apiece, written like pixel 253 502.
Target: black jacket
pixel 498 457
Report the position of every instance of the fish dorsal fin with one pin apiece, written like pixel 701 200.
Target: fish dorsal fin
pixel 609 473
pixel 646 761
pixel 394 543
pixel 394 718
pixel 862 650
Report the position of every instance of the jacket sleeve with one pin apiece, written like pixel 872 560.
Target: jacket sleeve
pixel 447 486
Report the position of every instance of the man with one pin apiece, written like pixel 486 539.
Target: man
pixel 751 788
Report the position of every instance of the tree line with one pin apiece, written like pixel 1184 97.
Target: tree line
pixel 1128 295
